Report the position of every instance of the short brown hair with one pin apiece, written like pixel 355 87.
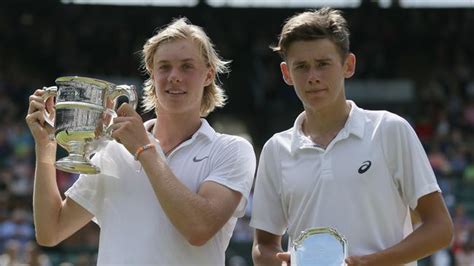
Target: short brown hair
pixel 324 23
pixel 178 29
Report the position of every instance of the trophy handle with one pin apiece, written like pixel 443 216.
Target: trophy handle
pixel 49 92
pixel 119 90
pixel 128 91
pixel 111 114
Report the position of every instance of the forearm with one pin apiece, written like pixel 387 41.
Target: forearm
pixel 424 241
pixel 189 212
pixel 46 196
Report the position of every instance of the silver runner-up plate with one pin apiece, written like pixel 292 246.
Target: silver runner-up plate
pixel 319 246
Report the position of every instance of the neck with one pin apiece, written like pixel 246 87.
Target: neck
pixel 172 130
pixel 322 126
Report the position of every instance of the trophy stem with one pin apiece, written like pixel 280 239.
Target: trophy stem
pixel 76 162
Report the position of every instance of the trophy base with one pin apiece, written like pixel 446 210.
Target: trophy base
pixel 77 164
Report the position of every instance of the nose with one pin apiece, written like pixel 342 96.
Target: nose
pixel 314 76
pixel 174 77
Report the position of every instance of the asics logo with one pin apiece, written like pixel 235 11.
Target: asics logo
pixel 364 167
pixel 196 159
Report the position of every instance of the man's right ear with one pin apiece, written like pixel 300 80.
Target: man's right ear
pixel 286 73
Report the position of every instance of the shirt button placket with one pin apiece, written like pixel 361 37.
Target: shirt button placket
pixel 326 169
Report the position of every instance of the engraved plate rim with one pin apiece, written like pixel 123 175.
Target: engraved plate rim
pixel 320 230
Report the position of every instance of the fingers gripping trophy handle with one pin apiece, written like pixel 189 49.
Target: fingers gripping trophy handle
pixel 48 93
pixel 48 117
pixel 128 91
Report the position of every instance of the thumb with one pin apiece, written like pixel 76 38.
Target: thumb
pixel 349 260
pixel 283 256
pixel 126 110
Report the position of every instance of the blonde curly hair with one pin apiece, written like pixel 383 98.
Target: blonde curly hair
pixel 181 28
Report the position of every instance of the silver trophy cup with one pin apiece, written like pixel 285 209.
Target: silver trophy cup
pixel 84 110
pixel 320 246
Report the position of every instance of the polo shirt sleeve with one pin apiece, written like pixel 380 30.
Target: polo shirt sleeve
pixel 407 160
pixel 268 211
pixel 233 166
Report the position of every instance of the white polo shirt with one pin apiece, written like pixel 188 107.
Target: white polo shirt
pixel 362 184
pixel 134 228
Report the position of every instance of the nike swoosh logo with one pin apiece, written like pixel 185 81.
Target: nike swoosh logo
pixel 196 159
pixel 365 166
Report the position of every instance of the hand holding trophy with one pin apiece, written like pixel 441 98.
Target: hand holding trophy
pixel 319 246
pixel 84 110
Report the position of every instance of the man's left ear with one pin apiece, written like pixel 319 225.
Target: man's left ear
pixel 209 77
pixel 349 65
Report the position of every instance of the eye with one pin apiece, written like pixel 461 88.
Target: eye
pixel 323 64
pixel 187 66
pixel 163 67
pixel 301 66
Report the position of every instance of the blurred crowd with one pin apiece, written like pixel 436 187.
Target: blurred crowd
pixel 41 42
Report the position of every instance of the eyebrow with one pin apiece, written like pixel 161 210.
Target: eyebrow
pixel 324 59
pixel 299 62
pixel 186 60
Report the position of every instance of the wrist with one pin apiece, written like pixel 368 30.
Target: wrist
pixel 140 150
pixel 46 153
pixel 379 258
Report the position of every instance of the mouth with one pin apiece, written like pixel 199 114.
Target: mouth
pixel 175 92
pixel 316 91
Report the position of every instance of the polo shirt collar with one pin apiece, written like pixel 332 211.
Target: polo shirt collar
pixel 354 125
pixel 205 129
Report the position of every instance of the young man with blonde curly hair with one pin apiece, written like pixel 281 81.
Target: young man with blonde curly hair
pixel 177 200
